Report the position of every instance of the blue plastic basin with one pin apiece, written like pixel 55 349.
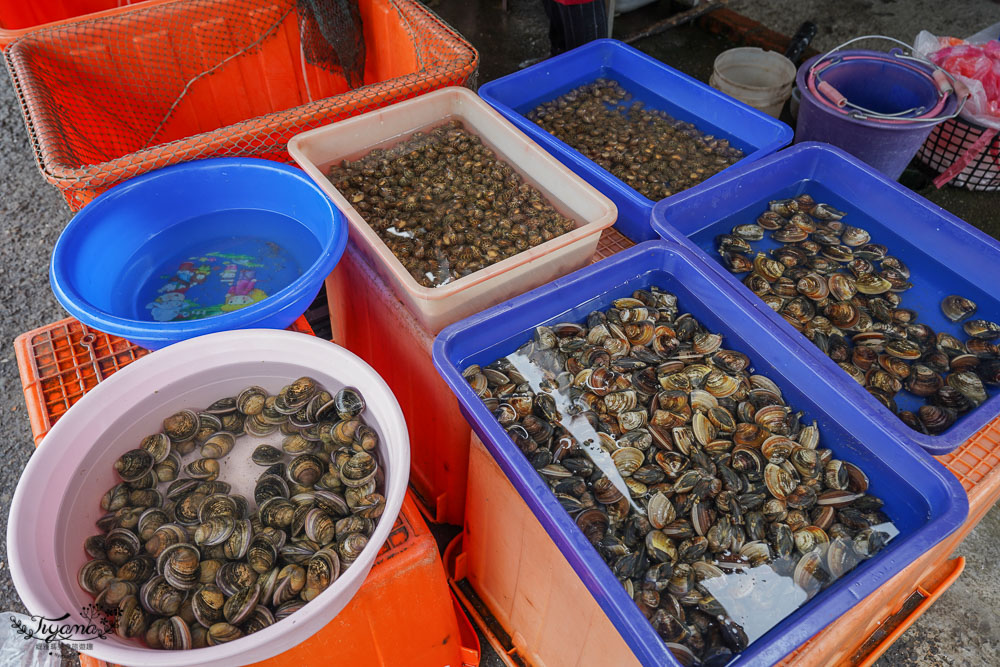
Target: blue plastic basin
pixel 647 79
pixel 925 501
pixel 228 243
pixel 945 255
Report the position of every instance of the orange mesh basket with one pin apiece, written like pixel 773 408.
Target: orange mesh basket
pixel 110 98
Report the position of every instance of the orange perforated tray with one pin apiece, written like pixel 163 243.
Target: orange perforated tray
pixel 379 627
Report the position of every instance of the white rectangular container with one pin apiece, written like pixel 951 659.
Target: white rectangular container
pixel 437 307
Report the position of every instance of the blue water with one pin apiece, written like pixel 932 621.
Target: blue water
pixel 932 279
pixel 213 264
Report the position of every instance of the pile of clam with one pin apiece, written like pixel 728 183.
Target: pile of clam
pixel 710 498
pixel 446 204
pixel 843 292
pixel 648 149
pixel 193 564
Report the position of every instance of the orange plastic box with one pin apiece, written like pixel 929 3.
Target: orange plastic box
pixel 18 17
pixel 437 307
pixel 534 609
pixel 380 330
pixel 404 613
pixel 368 320
pixel 166 82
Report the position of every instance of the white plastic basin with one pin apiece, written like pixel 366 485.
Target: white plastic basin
pixel 58 497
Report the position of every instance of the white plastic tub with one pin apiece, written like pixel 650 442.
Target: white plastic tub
pixel 58 497
pixel 437 307
pixel 762 79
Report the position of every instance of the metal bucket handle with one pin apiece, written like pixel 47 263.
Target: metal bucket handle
pixel 946 84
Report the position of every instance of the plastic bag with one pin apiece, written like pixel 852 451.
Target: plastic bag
pixel 16 650
pixel 976 63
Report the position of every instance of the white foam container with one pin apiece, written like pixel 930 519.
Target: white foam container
pixel 762 79
pixel 57 499
pixel 437 307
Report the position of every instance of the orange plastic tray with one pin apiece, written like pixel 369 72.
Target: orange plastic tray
pixel 404 613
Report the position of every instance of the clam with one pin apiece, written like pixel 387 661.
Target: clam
pixel 748 232
pixel 236 545
pixel 218 445
pixel 957 308
pixel 240 605
pixel 166 470
pixel 203 468
pixel 221 633
pixel 981 329
pixel 181 426
pixel 359 469
pixel 251 400
pixel 96 575
pixel 322 569
pixel 207 603
pixel 159 597
pixel 157 445
pixel 132 620
pixel 179 565
pixel 969 385
pixel 134 464
pixel 854 236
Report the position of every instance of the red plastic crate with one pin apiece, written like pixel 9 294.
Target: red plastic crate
pixel 403 614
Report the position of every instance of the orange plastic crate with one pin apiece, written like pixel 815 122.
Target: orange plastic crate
pixel 403 614
pixel 113 97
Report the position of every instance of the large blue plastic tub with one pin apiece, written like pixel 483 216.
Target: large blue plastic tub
pixel 925 500
pixel 213 245
pixel 652 82
pixel 945 255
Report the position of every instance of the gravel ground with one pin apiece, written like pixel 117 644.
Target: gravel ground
pixel 962 628
pixel 32 213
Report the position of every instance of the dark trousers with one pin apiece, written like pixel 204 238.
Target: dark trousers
pixel 571 26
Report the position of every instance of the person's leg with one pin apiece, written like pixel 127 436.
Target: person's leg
pixel 557 38
pixel 583 23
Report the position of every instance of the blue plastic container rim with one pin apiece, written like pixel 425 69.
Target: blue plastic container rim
pixel 577 160
pixel 602 278
pixel 743 177
pixel 169 332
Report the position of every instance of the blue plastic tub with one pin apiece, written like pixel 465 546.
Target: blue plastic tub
pixel 652 82
pixel 229 243
pixel 945 255
pixel 926 501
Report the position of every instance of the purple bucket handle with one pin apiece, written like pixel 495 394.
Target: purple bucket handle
pixel 943 81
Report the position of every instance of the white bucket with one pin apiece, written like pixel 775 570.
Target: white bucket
pixel 58 496
pixel 762 79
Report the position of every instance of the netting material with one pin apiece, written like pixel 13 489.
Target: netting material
pixel 108 99
pixel 950 140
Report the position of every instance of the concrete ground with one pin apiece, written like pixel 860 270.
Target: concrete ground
pixel 962 628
